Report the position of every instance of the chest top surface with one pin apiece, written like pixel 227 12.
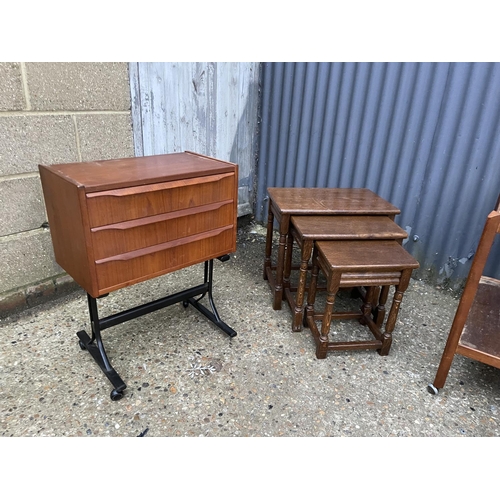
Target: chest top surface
pixel 127 172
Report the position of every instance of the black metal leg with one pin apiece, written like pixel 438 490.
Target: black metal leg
pixel 96 348
pixel 212 315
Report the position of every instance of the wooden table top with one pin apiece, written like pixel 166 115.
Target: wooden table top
pixel 330 201
pixel 343 227
pixel 363 255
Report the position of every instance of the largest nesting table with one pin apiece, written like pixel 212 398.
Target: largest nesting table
pixel 287 202
pixel 118 222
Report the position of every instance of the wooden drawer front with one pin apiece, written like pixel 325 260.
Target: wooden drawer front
pixel 127 236
pixel 119 205
pixel 123 270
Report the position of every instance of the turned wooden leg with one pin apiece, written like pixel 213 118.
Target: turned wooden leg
pixel 332 289
pixel 287 268
pixel 278 291
pixel 311 294
pixel 368 301
pixel 393 314
pixel 269 242
pixel 380 312
pixel 301 288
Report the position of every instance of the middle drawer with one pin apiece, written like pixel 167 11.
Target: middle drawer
pixel 116 239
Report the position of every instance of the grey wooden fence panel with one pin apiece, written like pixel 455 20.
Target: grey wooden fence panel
pixel 208 107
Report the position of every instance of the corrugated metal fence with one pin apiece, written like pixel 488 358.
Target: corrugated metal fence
pixel 425 136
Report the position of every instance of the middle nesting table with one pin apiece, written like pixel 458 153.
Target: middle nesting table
pixel 305 230
pixel 287 202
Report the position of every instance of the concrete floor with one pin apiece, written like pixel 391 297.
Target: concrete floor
pixel 185 377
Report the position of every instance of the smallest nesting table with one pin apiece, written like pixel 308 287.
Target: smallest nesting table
pixel 368 263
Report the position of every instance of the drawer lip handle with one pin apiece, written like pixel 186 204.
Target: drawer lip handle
pixel 144 221
pixel 162 186
pixel 164 246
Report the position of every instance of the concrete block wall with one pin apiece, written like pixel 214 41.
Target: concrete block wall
pixel 50 113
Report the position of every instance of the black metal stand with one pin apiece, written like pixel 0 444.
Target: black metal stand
pixel 95 345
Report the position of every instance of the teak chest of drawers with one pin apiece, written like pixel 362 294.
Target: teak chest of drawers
pixel 115 223
pixel 118 222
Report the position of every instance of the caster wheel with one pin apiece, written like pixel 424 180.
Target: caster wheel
pixel 185 303
pixel 116 395
pixel 432 390
pixel 83 347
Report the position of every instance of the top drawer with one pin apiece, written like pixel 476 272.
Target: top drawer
pixel 119 205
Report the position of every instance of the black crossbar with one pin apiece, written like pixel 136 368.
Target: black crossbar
pixel 149 307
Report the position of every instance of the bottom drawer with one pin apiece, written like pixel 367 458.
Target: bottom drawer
pixel 127 269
